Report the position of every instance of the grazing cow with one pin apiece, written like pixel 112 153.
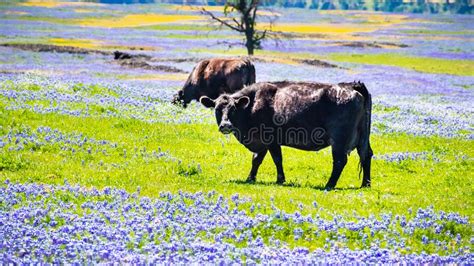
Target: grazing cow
pixel 306 116
pixel 213 77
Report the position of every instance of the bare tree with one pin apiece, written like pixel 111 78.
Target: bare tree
pixel 240 16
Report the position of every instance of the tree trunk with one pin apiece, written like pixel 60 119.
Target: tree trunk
pixel 249 45
pixel 249 35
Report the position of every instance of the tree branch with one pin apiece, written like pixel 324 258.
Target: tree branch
pixel 253 6
pixel 238 24
pixel 222 22
pixel 261 36
pixel 241 16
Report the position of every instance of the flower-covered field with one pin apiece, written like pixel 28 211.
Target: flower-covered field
pixel 57 224
pixel 96 164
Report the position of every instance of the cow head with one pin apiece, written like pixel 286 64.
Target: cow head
pixel 230 112
pixel 188 92
pixel 185 95
pixel 192 87
pixel 178 99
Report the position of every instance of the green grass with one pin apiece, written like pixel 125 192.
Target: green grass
pixel 377 108
pixel 17 40
pixel 93 90
pixel 202 159
pixel 421 64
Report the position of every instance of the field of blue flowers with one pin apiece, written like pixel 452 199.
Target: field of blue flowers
pixel 97 166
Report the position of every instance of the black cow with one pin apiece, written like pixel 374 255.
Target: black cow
pixel 307 116
pixel 213 77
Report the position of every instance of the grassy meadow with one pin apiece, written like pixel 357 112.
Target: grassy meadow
pixel 82 119
pixel 199 158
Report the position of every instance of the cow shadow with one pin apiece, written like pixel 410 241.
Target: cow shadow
pixel 289 184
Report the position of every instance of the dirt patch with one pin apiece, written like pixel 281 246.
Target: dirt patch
pixel 371 44
pixel 11 72
pixel 313 36
pixel 177 60
pixel 310 62
pixel 360 44
pixel 142 64
pixel 36 47
pixel 123 59
pixel 122 56
pixel 142 61
pixel 399 45
pixel 318 63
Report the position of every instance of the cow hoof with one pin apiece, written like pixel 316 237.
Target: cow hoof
pixel 250 180
pixel 280 181
pixel 365 186
pixel 328 188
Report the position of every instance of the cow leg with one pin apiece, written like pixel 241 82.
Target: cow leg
pixel 257 160
pixel 339 158
pixel 275 151
pixel 365 155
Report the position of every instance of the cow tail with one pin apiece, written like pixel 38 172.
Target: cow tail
pixel 364 139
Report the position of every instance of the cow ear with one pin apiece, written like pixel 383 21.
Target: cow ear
pixel 242 102
pixel 208 102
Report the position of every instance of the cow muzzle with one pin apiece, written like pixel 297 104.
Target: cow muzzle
pixel 178 100
pixel 226 128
